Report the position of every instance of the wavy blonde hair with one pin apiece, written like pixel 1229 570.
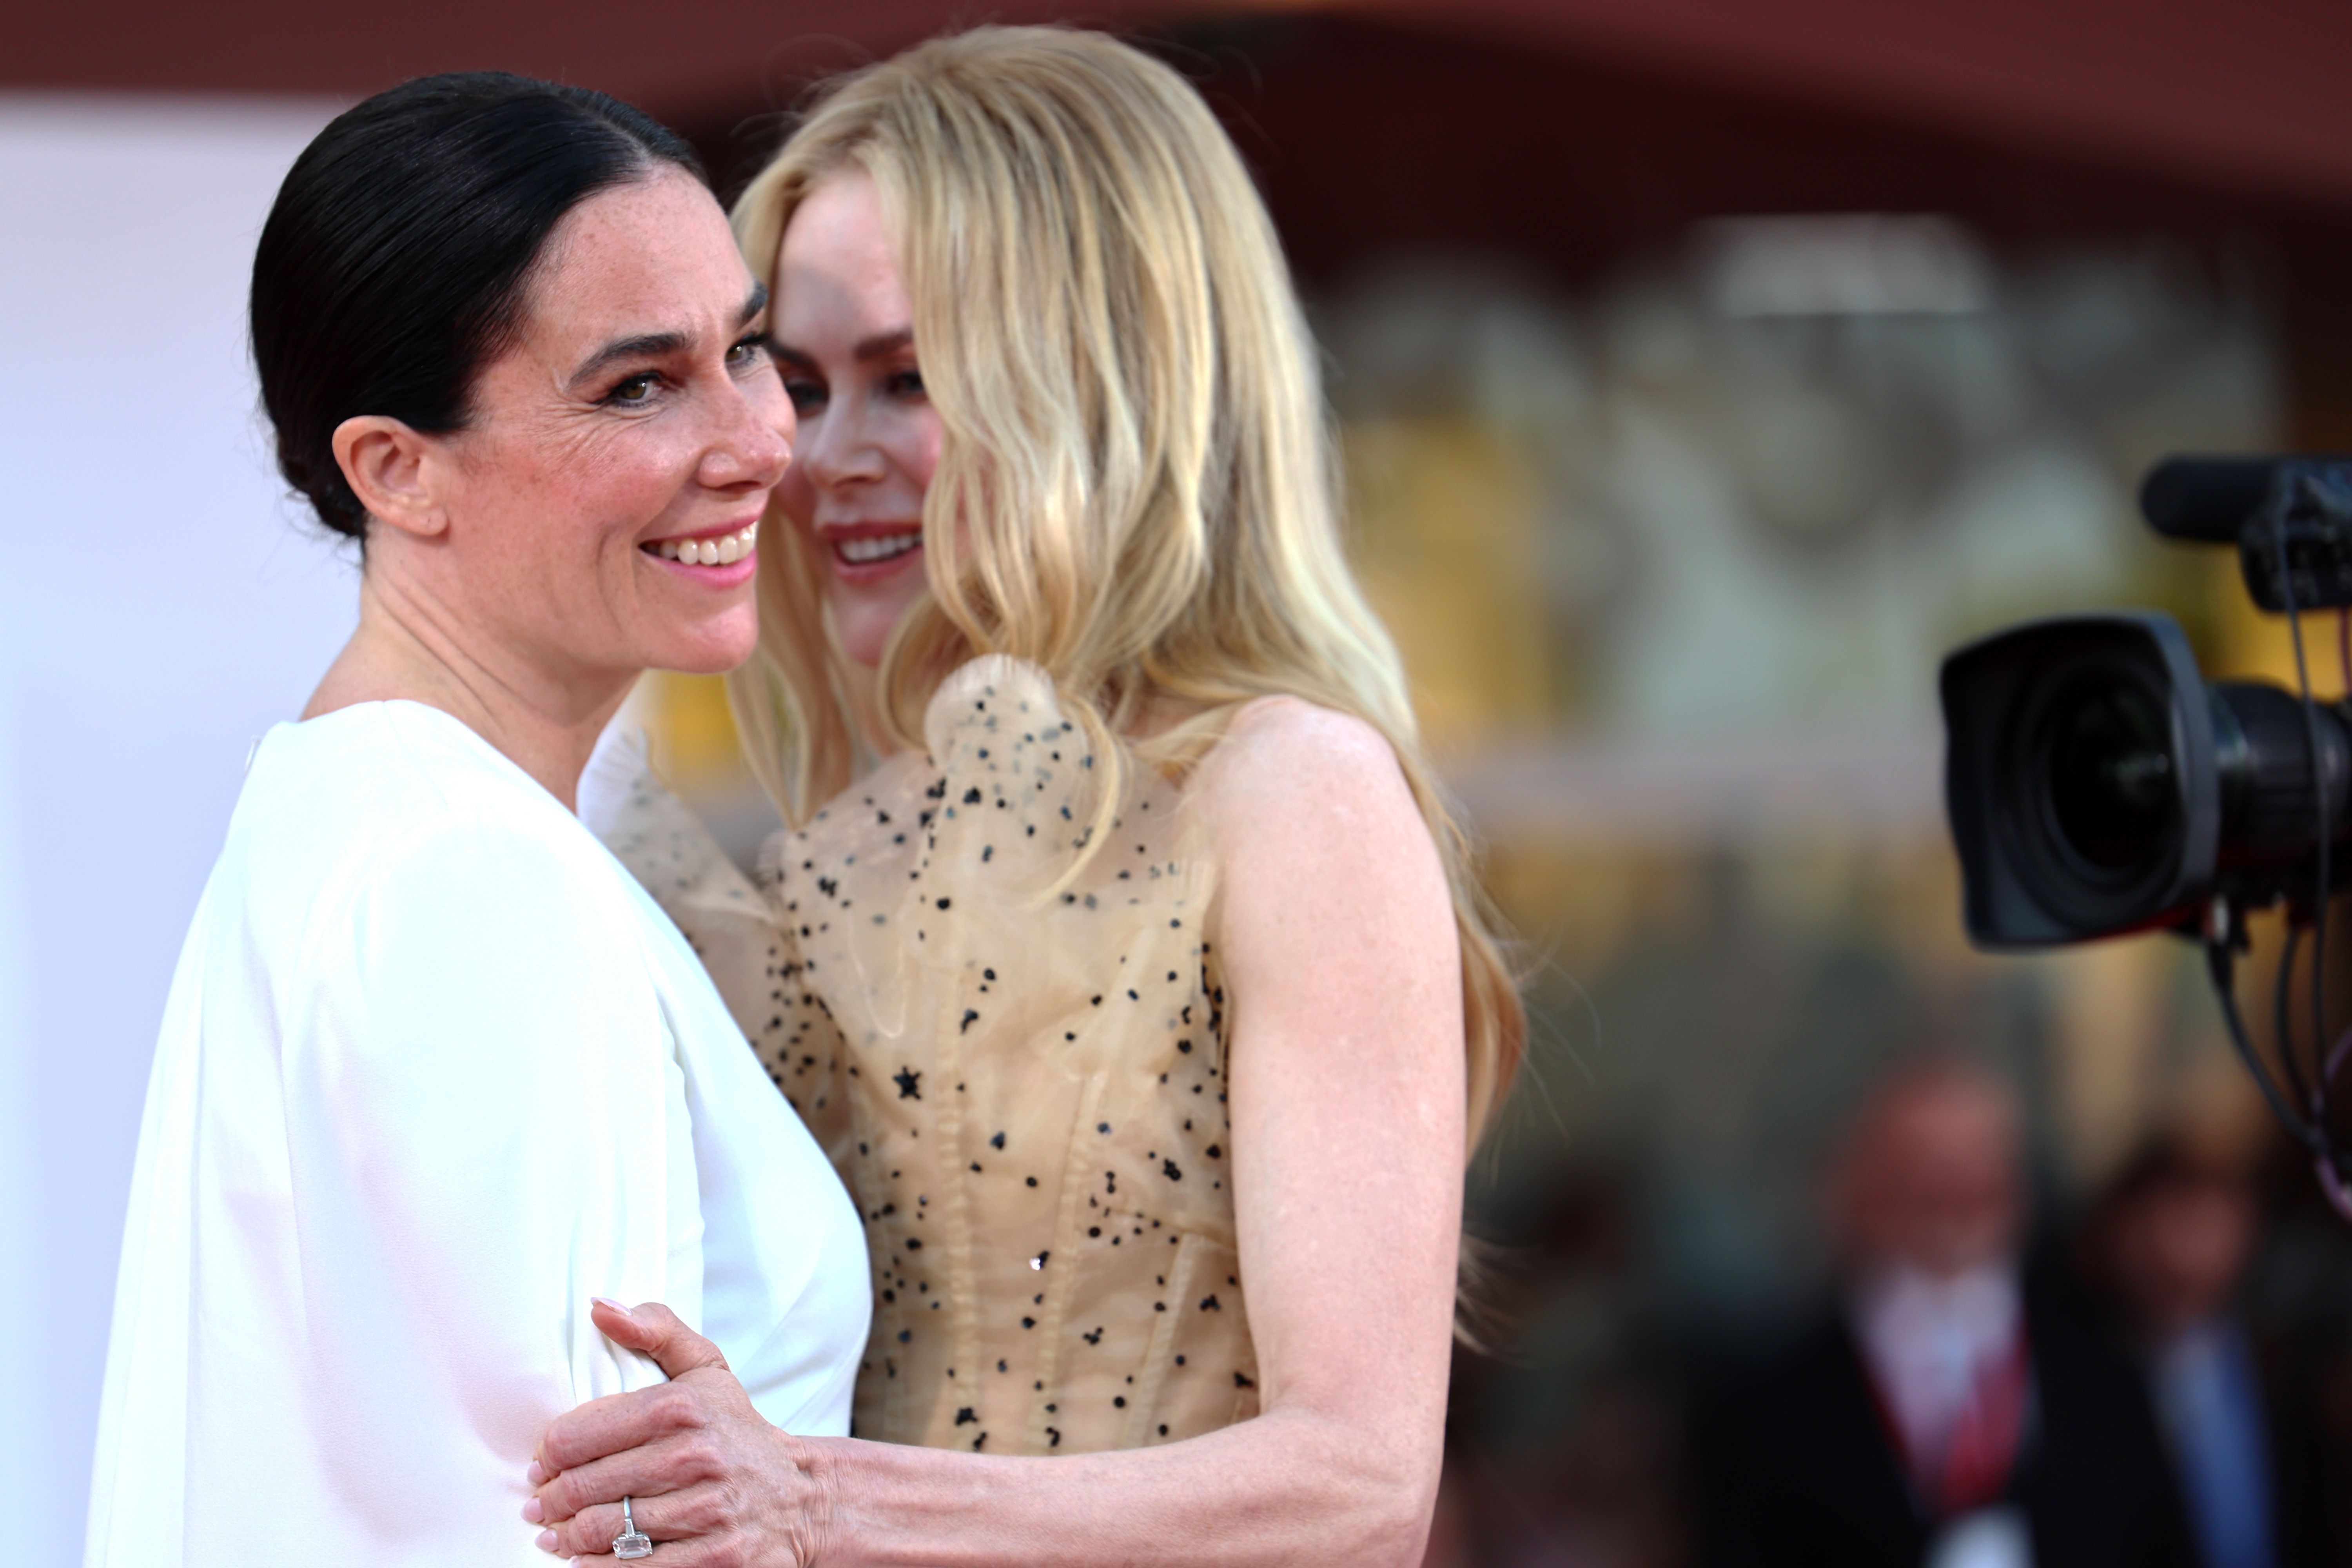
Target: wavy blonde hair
pixel 1132 434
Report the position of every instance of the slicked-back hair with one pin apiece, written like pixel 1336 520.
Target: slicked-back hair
pixel 394 262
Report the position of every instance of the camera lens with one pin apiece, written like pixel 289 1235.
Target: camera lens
pixel 2085 792
pixel 2111 786
pixel 2095 814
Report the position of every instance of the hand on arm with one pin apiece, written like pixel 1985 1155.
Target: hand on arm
pixel 708 1476
pixel 1337 939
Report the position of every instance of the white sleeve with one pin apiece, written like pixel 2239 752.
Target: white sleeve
pixel 487 1127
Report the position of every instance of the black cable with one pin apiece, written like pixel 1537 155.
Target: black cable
pixel 2323 1060
pixel 2283 1017
pixel 2221 967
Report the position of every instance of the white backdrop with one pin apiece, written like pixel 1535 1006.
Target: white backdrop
pixel 161 604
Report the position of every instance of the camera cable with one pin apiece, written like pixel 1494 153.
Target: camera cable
pixel 2326 1059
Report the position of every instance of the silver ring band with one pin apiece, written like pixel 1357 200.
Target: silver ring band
pixel 632 1542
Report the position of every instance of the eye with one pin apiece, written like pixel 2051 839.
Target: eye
pixel 749 354
pixel 634 392
pixel 905 384
pixel 807 393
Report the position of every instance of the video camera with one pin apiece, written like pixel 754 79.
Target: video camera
pixel 2097 783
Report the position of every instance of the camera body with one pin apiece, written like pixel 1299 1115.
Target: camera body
pixel 2097 784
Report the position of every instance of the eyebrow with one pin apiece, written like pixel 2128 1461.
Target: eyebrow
pixel 881 345
pixel 657 346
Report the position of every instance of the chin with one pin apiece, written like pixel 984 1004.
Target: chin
pixel 712 648
pixel 863 627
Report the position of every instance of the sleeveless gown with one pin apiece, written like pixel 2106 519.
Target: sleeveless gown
pixel 1018 1074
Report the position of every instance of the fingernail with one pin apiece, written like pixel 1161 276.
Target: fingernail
pixel 536 1475
pixel 532 1512
pixel 547 1541
pixel 608 1301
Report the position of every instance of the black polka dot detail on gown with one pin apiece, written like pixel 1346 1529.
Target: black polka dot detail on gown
pixel 934 992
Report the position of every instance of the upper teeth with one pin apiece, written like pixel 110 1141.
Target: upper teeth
pixel 880 547
pixel 724 551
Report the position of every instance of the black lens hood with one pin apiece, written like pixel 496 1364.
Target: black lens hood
pixel 2021 891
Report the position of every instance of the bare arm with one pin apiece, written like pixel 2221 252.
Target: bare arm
pixel 1338 941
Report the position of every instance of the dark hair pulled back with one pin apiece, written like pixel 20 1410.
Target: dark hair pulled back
pixel 393 266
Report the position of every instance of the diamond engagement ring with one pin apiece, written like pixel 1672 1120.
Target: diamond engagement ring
pixel 632 1542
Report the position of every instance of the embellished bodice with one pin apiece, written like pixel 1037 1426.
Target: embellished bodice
pixel 1019 1072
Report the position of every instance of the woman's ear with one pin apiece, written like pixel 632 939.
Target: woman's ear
pixel 393 470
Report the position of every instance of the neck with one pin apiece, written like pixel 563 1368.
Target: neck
pixel 409 647
pixel 861 685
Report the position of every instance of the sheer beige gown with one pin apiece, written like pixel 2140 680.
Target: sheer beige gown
pixel 1022 1083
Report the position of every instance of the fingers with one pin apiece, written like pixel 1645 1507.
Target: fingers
pixel 620 1421
pixel 657 1330
pixel 670 1464
pixel 671 1521
pixel 617 1423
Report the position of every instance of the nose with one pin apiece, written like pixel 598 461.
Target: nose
pixel 753 444
pixel 839 450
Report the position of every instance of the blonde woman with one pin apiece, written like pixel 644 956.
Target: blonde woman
pixel 1121 951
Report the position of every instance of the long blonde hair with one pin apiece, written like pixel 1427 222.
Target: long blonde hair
pixel 1132 434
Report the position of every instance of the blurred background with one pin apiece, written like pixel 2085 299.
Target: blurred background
pixel 1703 372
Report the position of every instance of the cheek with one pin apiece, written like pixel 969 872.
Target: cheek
pixel 630 481
pixel 523 510
pixel 555 494
pixel 922 459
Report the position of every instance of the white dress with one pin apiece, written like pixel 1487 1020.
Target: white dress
pixel 434 1072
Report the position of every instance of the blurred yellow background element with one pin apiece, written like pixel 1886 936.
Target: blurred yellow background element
pixel 691 732
pixel 1443 532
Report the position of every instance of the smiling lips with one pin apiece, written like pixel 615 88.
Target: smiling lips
pixel 866 550
pixel 873 548
pixel 724 551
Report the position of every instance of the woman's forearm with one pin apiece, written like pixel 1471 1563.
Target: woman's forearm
pixel 1288 1487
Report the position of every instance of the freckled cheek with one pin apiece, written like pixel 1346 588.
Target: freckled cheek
pixel 524 514
pixel 613 494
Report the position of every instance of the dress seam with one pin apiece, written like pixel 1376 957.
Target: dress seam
pixel 1153 1372
pixel 1076 1177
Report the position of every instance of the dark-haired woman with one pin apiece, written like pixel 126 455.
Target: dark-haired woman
pixel 435 1071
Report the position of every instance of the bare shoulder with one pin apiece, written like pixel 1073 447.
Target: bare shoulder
pixel 1333 916
pixel 1279 750
pixel 1290 776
